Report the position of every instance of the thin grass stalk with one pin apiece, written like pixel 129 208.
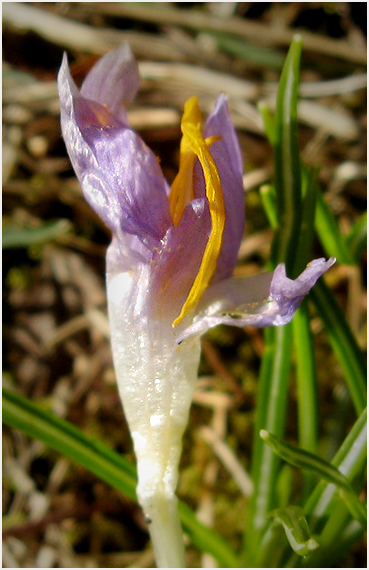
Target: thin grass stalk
pixel 307 396
pixel 275 370
pixel 343 342
pixel 287 162
pixel 350 460
pixel 271 411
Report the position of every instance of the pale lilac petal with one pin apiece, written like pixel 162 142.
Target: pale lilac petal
pixel 175 266
pixel 80 153
pixel 219 122
pixel 262 300
pixel 288 293
pixel 73 139
pixel 129 174
pixel 114 80
pixel 119 175
pixel 227 156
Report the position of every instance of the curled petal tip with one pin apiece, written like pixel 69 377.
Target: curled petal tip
pixel 269 299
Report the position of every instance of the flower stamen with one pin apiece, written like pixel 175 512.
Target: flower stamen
pixel 193 144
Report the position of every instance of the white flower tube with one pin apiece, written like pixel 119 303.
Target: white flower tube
pixel 156 379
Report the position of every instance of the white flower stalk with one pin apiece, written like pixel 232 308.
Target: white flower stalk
pixel 169 266
pixel 156 381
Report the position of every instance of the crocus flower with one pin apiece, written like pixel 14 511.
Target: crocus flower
pixel 169 266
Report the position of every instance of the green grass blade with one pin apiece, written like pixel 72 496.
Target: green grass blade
pixel 343 342
pixel 306 379
pixel 269 122
pixel 287 161
pixel 267 197
pixel 307 233
pixel 305 460
pixel 356 240
pixel 14 237
pixel 20 413
pixel 337 539
pixel 206 539
pixel 270 414
pixel 265 57
pixel 329 233
pixel 307 398
pixel 350 460
pixel 328 515
pixel 272 398
pixel 307 393
pixel 296 528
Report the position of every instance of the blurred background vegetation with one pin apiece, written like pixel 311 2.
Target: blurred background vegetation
pixel 56 341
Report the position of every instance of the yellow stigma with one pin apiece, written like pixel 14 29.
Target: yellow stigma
pixel 194 145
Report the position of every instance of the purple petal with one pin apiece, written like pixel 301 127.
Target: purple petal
pixel 130 176
pixel 119 175
pixel 288 293
pixel 176 264
pixel 114 80
pixel 80 153
pixel 227 156
pixel 219 122
pixel 262 300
